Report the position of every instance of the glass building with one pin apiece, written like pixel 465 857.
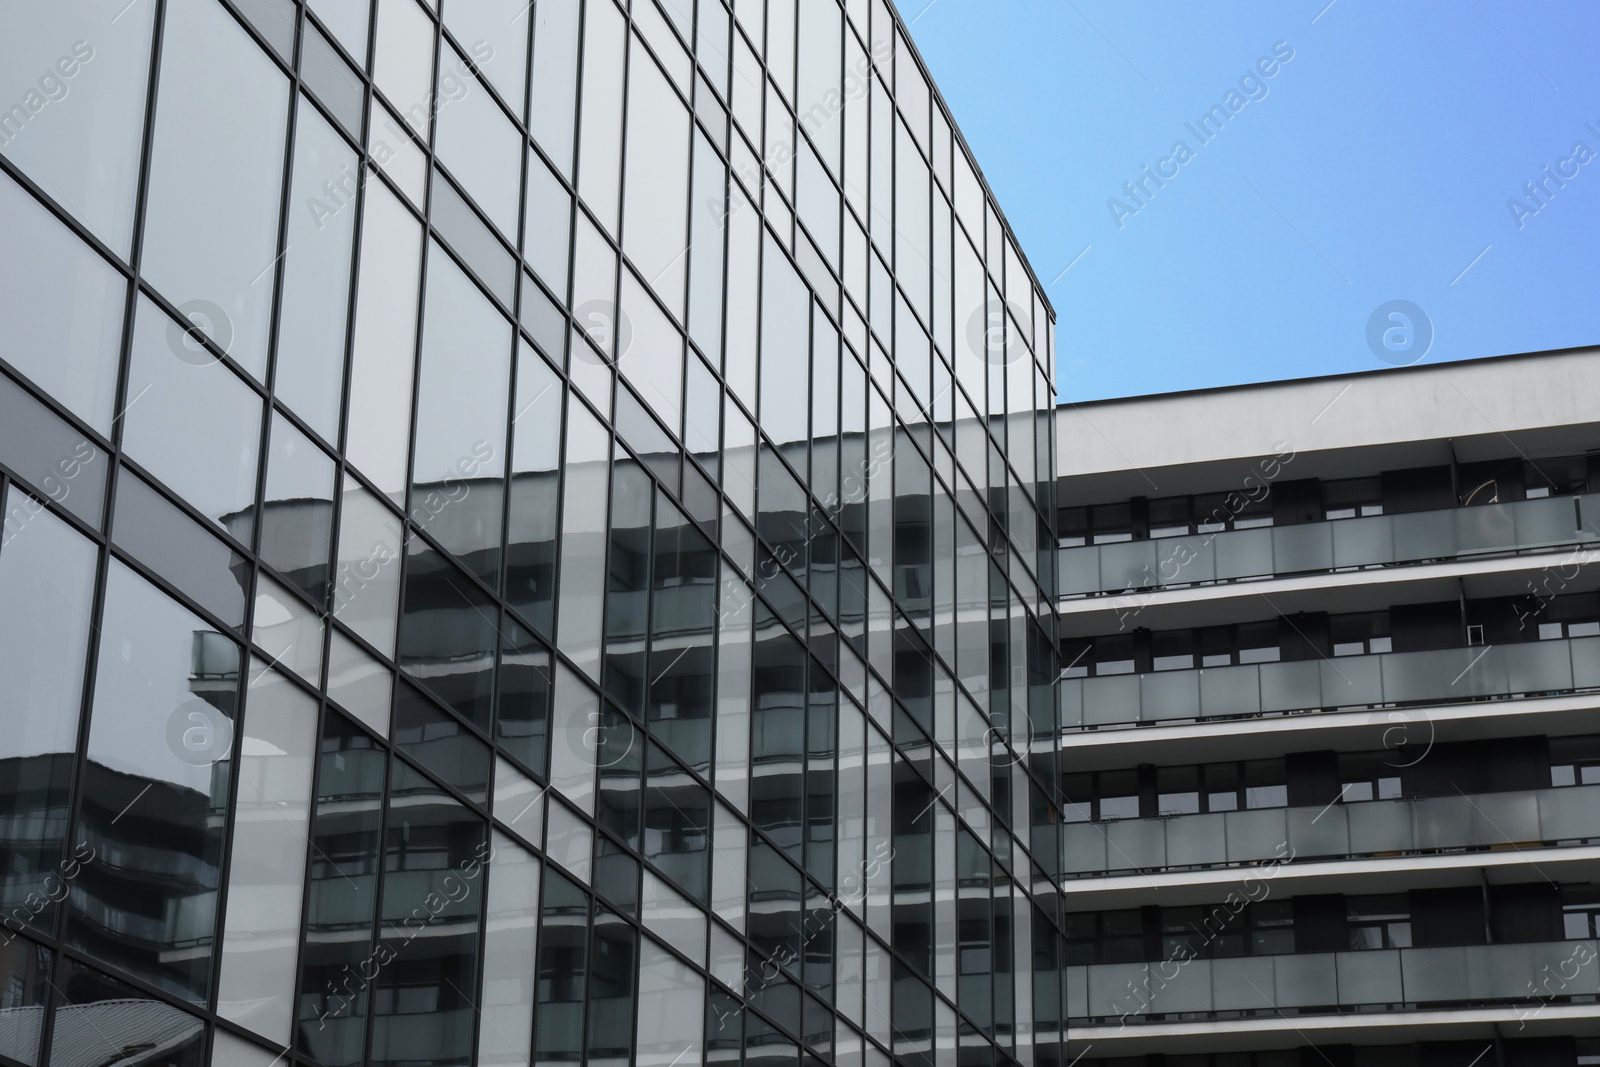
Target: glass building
pixel 528 538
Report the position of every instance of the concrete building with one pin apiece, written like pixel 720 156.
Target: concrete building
pixel 1331 707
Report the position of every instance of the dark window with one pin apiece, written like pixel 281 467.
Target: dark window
pixel 1381 921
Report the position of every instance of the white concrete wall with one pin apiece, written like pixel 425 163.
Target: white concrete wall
pixel 1447 400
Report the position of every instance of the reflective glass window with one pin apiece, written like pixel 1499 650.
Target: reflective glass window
pixel 155 789
pixel 62 306
pixel 449 633
pixel 216 178
pixel 47 587
pixel 296 516
pixel 86 154
pixel 191 421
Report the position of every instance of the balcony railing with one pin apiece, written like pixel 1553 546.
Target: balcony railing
pixel 1440 676
pixel 1379 540
pixel 1329 982
pixel 1524 818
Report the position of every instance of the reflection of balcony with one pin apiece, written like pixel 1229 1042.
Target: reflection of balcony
pixel 1328 982
pixel 1376 541
pixel 1441 676
pixel 1526 818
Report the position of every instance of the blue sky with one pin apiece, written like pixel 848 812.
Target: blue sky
pixel 1375 165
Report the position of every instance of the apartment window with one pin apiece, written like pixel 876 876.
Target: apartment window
pixel 1367 776
pixel 1351 498
pixel 1382 921
pixel 1169 516
pixel 1360 633
pixel 1574 761
pixel 1105 936
pixel 1561 476
pixel 1173 650
pixel 1580 912
pixel 1258 642
pixel 1571 615
pixel 1178 790
pixel 1111 522
pixel 1102 796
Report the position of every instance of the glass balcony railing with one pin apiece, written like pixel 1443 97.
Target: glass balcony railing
pixel 1526 818
pixel 1327 982
pixel 1379 540
pixel 1440 676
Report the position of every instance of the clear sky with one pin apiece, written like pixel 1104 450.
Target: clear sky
pixel 1377 164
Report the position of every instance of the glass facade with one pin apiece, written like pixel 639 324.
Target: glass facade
pixel 529 537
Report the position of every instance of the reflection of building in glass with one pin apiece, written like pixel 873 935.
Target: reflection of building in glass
pixel 528 538
pixel 1331 738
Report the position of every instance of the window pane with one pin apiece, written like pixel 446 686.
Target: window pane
pixel 547 233
pixel 555 81
pixel 191 421
pixel 563 968
pixel 677 824
pixel 434 855
pixel 458 468
pixel 535 491
pixel 85 154
pixel 448 633
pixel 343 901
pixel 42 447
pixel 477 142
pixel 267 874
pixel 383 352
pixel 671 1009
pixel 62 306
pixel 88 1003
pixel 656 196
pixel 510 965
pixel 297 509
pixel 366 590
pixel 155 789
pixel 47 589
pixel 313 320
pixel 600 151
pixel 216 176
pixel 583 525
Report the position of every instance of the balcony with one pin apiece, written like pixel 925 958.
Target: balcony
pixel 1440 676
pixel 1333 982
pixel 1513 819
pixel 1313 547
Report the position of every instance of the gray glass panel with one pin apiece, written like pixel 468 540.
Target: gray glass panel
pixel 1069 698
pixel 1424 535
pixel 1537 666
pixel 1552 521
pixel 1352 681
pixel 216 177
pixel 1319 832
pixel 1243 984
pixel 1244 553
pixel 1382 826
pixel 547 226
pixel 62 308
pixel 155 790
pixel 347 23
pixel 312 323
pixel 1369 977
pixel 1497 819
pixel 510 961
pixel 366 584
pixel 85 154
pixel 472 239
pixel 1307 547
pixel 1568 814
pixel 1127 565
pixel 1170 695
pixel 1111 988
pixel 1230 690
pixel 583 524
pixel 1185 560
pixel 1112 699
pixel 1254 835
pixel 191 422
pixel 1585 661
pixel 1433 974
pixel 1300 981
pixel 1484 528
pixel 1359 542
pixel 1291 686
pixel 1084 845
pixel 1078 569
pixel 1133 843
pixel 1196 840
pixel 61 463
